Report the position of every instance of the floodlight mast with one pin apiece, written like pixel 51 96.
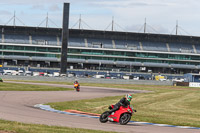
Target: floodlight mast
pixel 47 18
pixel 176 27
pixel 145 25
pixel 65 38
pixel 79 22
pixel 112 23
pixel 14 20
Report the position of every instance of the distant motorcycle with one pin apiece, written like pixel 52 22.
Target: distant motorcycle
pixel 123 115
pixel 77 87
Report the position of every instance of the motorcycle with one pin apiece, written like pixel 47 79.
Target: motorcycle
pixel 77 87
pixel 123 115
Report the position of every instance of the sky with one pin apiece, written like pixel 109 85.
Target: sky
pixel 161 16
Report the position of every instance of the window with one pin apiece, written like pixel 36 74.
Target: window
pixel 30 48
pixel 18 47
pixel 8 47
pixel 39 49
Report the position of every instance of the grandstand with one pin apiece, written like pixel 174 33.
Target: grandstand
pixel 92 49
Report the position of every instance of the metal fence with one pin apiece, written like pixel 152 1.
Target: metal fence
pixel 86 80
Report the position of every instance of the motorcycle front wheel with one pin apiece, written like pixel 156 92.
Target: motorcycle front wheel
pixel 125 118
pixel 104 117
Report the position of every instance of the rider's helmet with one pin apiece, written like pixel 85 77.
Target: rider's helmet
pixel 76 82
pixel 128 97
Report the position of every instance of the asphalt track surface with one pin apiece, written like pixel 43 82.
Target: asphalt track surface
pixel 18 106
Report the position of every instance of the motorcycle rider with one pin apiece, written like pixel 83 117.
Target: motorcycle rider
pixel 76 82
pixel 125 101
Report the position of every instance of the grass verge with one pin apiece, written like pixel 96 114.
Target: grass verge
pixel 17 127
pixel 25 87
pixel 165 105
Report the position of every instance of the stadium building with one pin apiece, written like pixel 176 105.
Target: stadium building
pixel 99 50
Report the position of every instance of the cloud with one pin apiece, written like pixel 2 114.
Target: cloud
pixel 54 7
pixel 38 7
pixel 129 14
pixel 5 16
pixel 14 2
pixel 131 3
pixel 5 13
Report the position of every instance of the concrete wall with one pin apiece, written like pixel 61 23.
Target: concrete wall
pixel 87 80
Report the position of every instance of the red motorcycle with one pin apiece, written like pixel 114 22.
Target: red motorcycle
pixel 77 87
pixel 123 115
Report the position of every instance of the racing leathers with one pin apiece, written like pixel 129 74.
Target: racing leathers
pixel 123 102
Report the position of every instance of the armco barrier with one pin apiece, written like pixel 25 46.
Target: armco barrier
pixel 87 80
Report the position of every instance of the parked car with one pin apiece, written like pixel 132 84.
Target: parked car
pixel 135 78
pixel 20 72
pixel 163 79
pixel 127 77
pixel 99 76
pixel 108 77
pixel 7 72
pixel 41 73
pixel 56 74
pixel 178 80
pixel 71 75
pixel 35 73
pixel 28 73
pixel 64 75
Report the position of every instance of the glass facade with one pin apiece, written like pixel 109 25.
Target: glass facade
pixel 30 48
pixel 97 54
pixel 131 56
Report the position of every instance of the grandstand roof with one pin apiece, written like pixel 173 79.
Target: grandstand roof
pixel 101 34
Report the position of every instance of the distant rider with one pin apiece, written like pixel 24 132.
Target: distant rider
pixel 75 83
pixel 125 101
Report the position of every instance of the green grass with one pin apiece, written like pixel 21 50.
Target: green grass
pixel 26 87
pixel 165 105
pixel 17 127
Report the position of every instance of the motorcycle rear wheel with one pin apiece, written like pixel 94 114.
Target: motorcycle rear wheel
pixel 104 117
pixel 125 118
pixel 77 89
